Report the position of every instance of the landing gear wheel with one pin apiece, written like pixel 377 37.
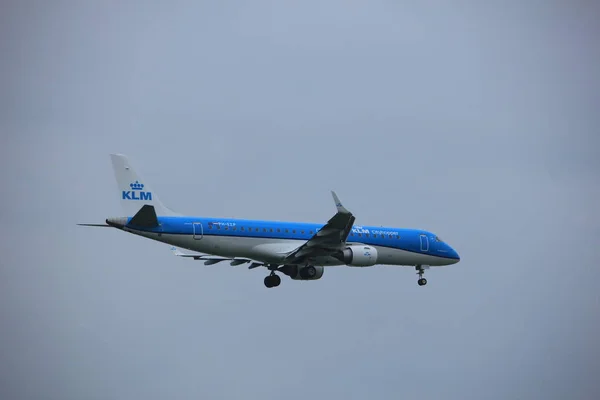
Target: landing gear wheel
pixel 268 282
pixel 276 280
pixel 272 281
pixel 422 282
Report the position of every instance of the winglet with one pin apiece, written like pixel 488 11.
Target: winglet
pixel 338 204
pixel 176 251
pixel 179 253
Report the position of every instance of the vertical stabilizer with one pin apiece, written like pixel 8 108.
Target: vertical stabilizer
pixel 134 192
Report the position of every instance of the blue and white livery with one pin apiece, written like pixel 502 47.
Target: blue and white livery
pixel 299 250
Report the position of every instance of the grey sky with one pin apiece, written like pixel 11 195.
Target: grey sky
pixel 476 120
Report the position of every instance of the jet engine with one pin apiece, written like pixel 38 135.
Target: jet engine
pixel 301 273
pixel 358 256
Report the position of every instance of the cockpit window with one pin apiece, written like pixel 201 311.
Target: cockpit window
pixel 437 239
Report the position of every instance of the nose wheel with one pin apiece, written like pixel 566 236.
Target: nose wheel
pixel 272 280
pixel 420 271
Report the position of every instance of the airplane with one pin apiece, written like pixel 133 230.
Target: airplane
pixel 299 250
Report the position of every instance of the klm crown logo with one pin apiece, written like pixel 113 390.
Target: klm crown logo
pixel 136 186
pixel 136 192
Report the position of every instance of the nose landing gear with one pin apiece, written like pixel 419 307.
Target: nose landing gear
pixel 420 271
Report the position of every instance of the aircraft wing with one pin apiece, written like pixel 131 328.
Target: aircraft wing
pixel 208 259
pixel 328 239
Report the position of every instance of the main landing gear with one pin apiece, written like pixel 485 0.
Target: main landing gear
pixel 420 271
pixel 272 280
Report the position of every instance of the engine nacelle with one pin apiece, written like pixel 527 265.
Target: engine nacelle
pixel 299 273
pixel 359 256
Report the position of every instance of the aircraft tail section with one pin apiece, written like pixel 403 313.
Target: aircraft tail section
pixel 134 192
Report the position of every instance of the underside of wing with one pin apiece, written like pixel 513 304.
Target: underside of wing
pixel 209 259
pixel 329 239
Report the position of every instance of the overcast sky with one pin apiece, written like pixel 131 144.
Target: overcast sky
pixel 477 120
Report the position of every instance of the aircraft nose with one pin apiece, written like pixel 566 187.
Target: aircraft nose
pixel 454 254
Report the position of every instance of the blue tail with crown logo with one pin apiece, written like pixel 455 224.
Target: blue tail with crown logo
pixel 134 193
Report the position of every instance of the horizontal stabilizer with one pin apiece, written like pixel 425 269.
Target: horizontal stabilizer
pixel 96 225
pixel 145 218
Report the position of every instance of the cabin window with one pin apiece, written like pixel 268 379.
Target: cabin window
pixel 294 231
pixel 256 229
pixel 234 228
pixel 359 235
pixel 242 228
pixel 271 230
pixel 311 232
pixel 287 231
pixel 278 230
pixel 302 232
pixel 226 228
pixel 218 226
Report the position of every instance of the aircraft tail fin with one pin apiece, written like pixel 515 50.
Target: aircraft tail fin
pixel 133 192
